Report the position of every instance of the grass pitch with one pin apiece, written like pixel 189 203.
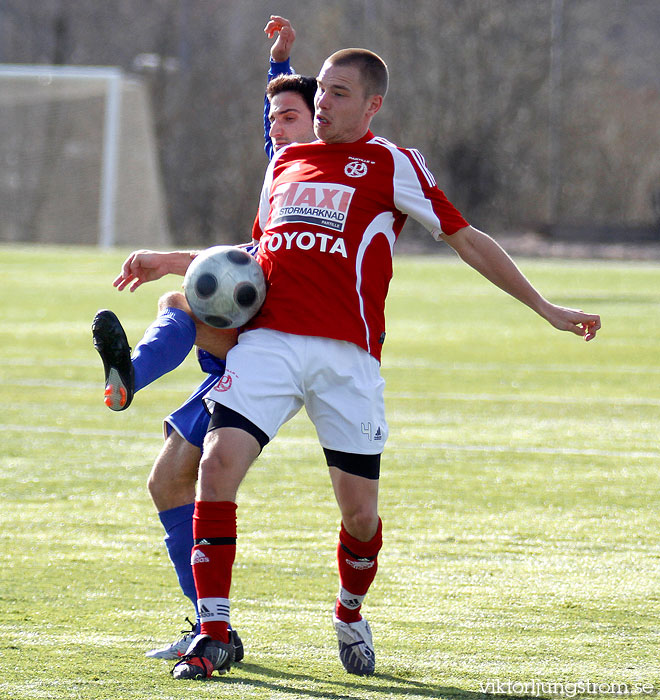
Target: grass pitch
pixel 519 499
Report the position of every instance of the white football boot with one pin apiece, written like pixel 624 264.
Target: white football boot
pixel 356 646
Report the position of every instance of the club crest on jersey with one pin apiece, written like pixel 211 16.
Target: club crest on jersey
pixel 356 167
pixel 317 203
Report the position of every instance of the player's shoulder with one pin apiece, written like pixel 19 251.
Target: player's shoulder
pixel 382 142
pixel 406 155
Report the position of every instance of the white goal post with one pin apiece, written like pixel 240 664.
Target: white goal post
pixel 78 158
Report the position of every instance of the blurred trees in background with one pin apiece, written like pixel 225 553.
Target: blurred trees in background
pixel 530 113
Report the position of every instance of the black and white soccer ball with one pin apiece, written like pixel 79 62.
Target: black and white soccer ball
pixel 224 286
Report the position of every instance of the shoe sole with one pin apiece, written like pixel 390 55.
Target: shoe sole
pixel 115 395
pixel 354 663
pixel 352 651
pixel 112 345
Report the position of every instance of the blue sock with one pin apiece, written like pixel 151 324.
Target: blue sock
pixel 164 346
pixel 179 542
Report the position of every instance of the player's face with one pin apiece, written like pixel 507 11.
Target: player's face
pixel 290 120
pixel 343 111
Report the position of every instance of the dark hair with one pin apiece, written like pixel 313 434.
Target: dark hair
pixel 373 70
pixel 302 84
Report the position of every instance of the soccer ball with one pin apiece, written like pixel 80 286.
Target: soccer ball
pixel 224 286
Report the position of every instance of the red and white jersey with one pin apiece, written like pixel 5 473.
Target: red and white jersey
pixel 328 219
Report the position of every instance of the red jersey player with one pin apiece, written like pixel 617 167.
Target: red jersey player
pixel 329 217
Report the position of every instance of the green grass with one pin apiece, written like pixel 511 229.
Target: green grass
pixel 519 499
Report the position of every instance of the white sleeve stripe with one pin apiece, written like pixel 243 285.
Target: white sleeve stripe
pixel 416 156
pixel 409 196
pixel 419 159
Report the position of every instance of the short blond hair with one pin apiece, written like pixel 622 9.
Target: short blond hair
pixel 372 68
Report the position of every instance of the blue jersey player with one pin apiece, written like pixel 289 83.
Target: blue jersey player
pixel 288 118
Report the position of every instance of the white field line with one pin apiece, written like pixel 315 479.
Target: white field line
pixel 567 451
pixel 89 432
pixel 49 362
pixel 526 398
pixel 409 395
pixel 422 363
pixel 392 363
pixel 286 443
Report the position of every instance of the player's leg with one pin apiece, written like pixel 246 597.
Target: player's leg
pixel 259 396
pixel 360 536
pixel 172 487
pixel 228 454
pixel 164 346
pixel 166 342
pixel 346 404
pixel 173 479
pixel 171 484
pixel 360 540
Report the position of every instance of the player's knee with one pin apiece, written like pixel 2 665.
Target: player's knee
pixel 173 475
pixel 215 464
pixel 361 522
pixel 213 477
pixel 223 466
pixel 174 300
pixel 153 485
pixel 171 490
pixel 160 488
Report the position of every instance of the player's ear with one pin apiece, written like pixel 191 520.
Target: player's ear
pixel 374 103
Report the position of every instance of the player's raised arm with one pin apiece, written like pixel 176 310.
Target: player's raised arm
pixel 279 64
pixel 486 256
pixel 280 51
pixel 150 265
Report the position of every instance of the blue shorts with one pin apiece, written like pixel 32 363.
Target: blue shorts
pixel 192 419
pixel 210 363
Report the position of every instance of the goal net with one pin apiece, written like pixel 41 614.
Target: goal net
pixel 78 158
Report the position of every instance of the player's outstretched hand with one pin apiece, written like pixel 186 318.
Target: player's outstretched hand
pixel 573 320
pixel 142 266
pixel 286 35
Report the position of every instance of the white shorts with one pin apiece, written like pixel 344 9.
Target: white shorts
pixel 271 375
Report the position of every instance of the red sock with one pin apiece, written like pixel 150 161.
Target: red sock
pixel 358 563
pixel 214 534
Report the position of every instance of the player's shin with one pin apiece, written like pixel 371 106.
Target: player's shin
pixel 213 553
pixel 177 523
pixel 358 563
